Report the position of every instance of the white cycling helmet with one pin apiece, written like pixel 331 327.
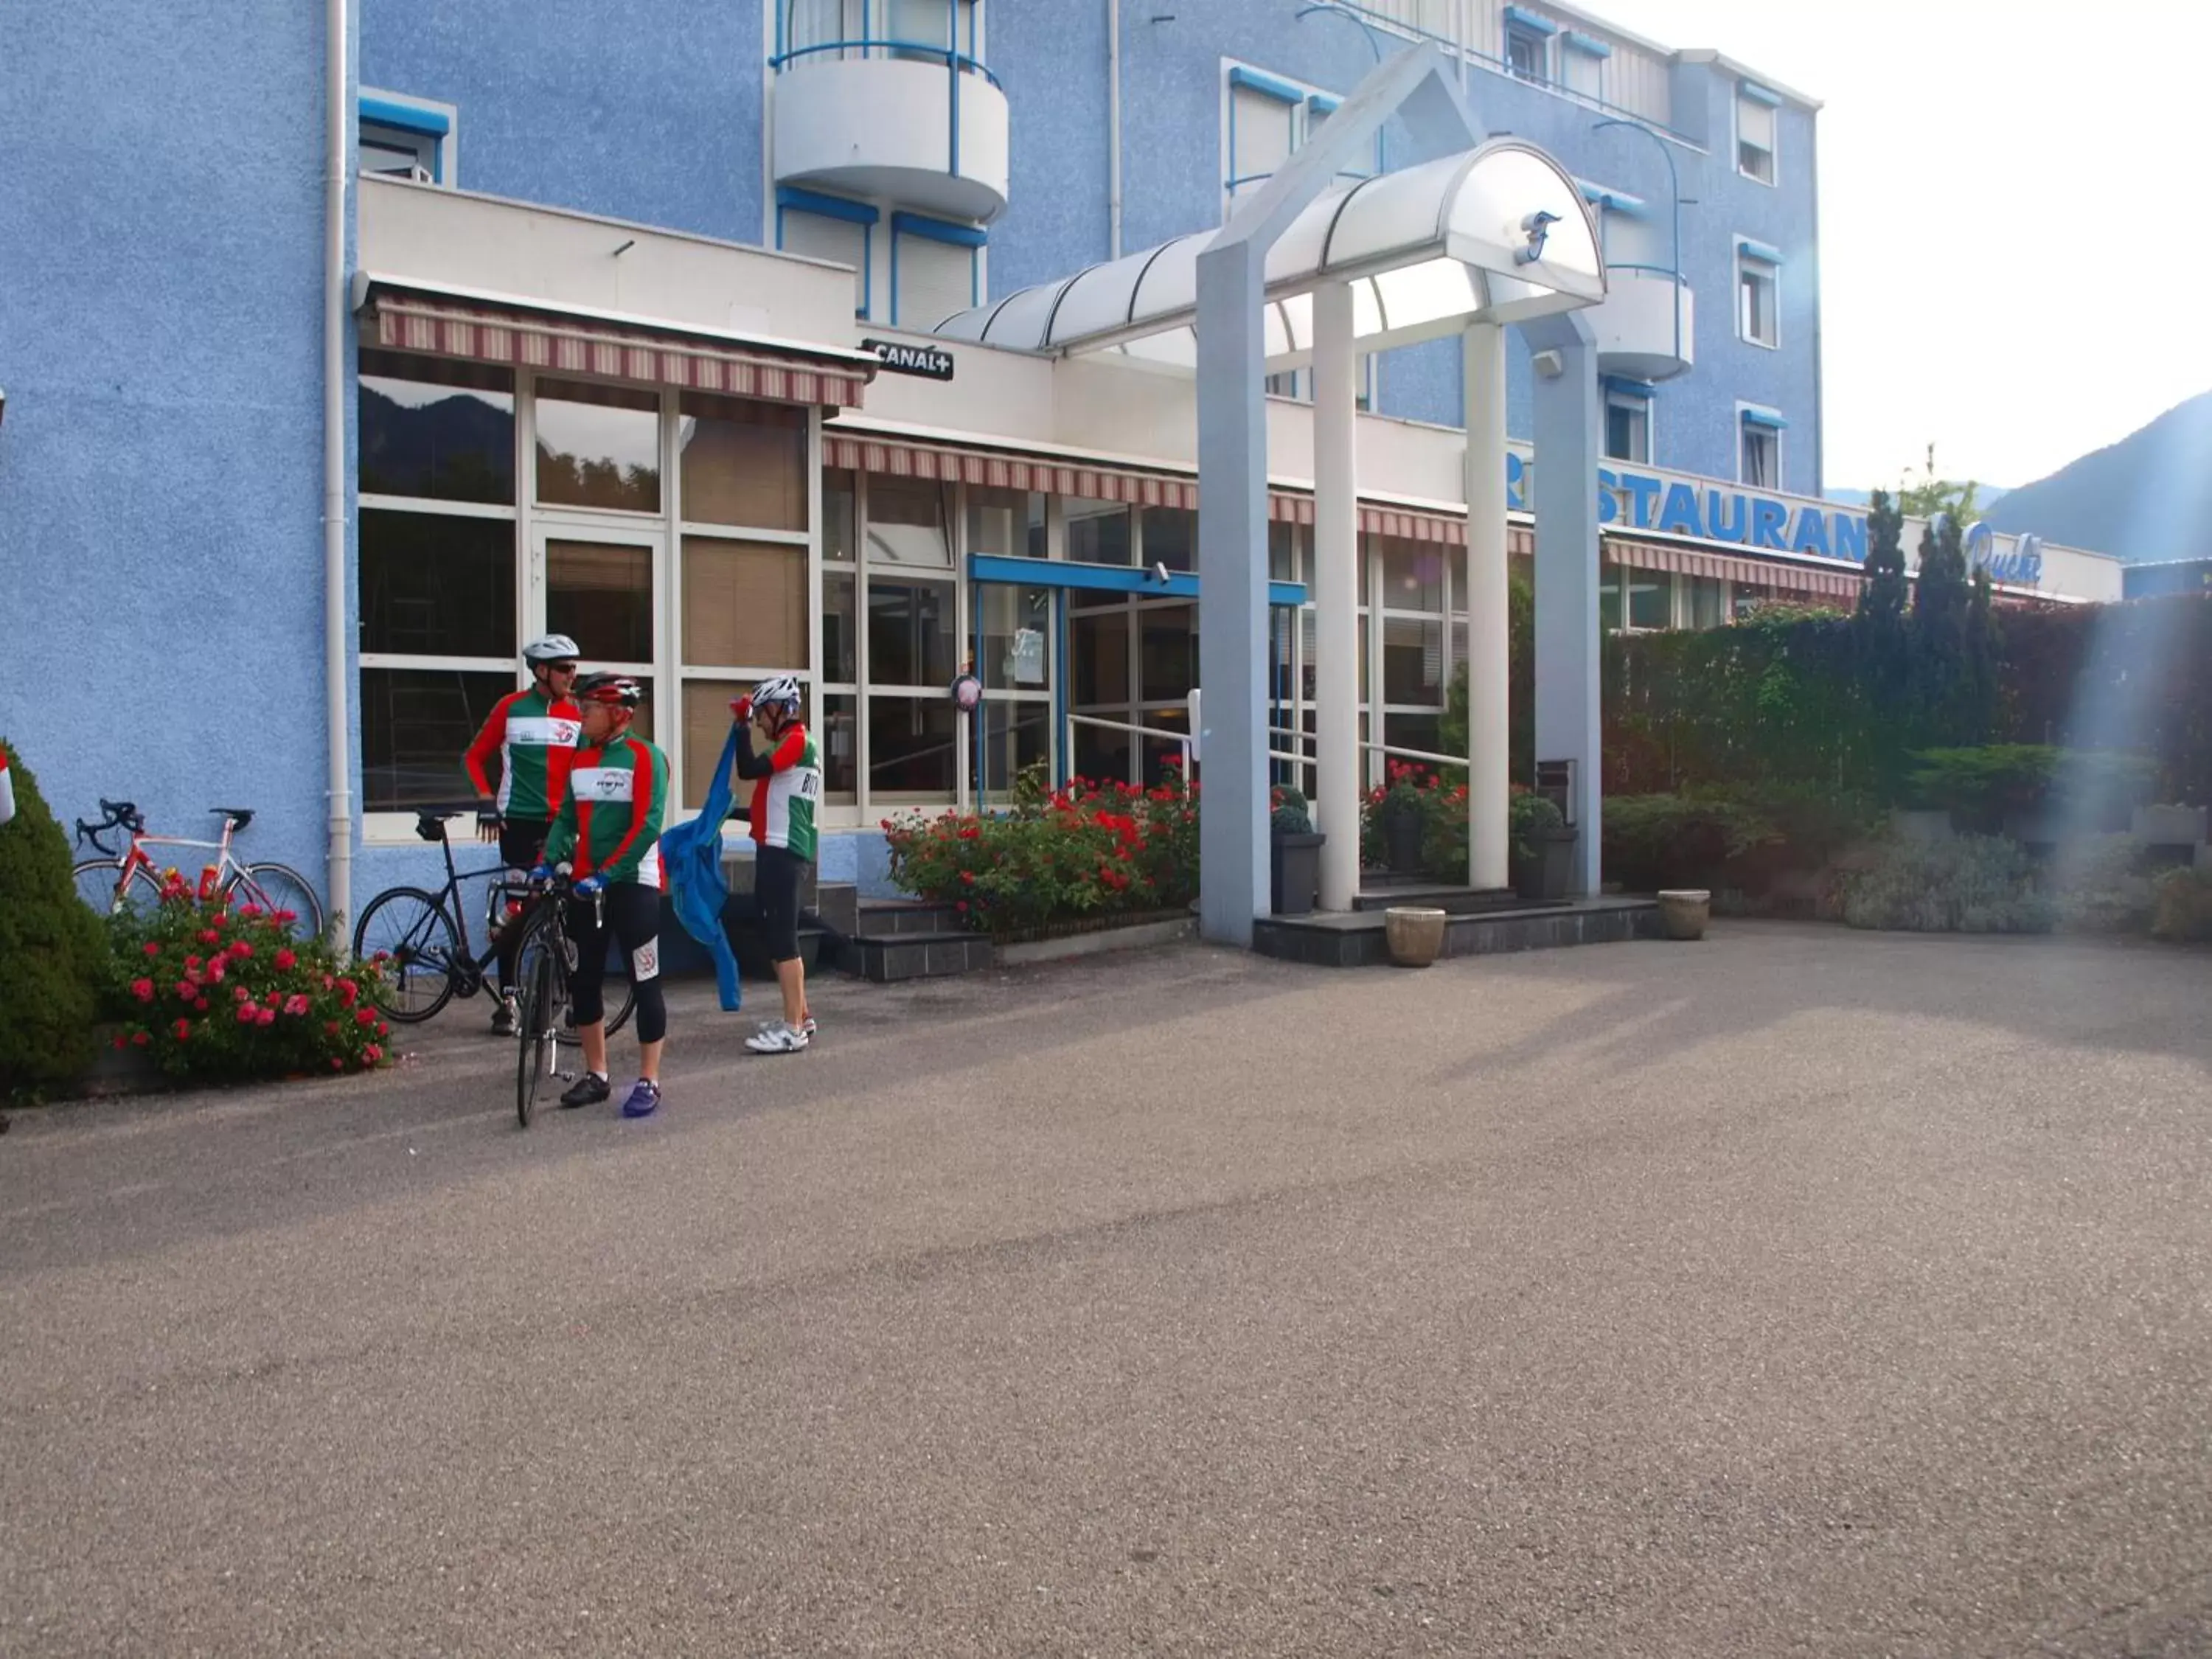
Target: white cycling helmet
pixel 777 690
pixel 551 647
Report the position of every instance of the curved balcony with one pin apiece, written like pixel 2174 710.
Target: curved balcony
pixel 1644 329
pixel 921 126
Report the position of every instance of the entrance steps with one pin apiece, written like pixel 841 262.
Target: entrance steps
pixel 1379 892
pixel 1355 939
pixel 895 939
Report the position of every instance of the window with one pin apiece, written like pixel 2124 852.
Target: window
pixel 1007 522
pixel 935 269
pixel 1628 428
pixel 1098 532
pixel 907 519
pixel 1757 281
pixel 1528 52
pixel 1263 127
pixel 436 430
pixel 1171 538
pixel 1761 464
pixel 406 138
pixel 818 227
pixel 1582 63
pixel 1642 601
pixel 742 463
pixel 435 586
pixel 1754 133
pixel 597 446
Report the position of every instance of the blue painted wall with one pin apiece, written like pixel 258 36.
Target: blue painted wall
pixel 160 550
pixel 649 111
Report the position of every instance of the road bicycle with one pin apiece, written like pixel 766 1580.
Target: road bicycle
pixel 132 878
pixel 544 1016
pixel 421 938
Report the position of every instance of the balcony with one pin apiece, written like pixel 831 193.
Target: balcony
pixel 920 125
pixel 1645 328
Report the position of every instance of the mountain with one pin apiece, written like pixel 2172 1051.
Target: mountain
pixel 2144 499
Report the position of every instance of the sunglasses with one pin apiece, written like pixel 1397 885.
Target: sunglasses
pixel 560 668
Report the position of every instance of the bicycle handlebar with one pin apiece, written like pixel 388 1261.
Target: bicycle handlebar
pixel 119 815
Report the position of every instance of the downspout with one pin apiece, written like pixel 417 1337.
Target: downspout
pixel 1820 411
pixel 1113 129
pixel 336 710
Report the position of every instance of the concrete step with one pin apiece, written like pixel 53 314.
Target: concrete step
pixel 1356 939
pixel 889 958
pixel 895 918
pixel 1384 894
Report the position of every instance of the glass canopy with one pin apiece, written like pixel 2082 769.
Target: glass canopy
pixel 1498 233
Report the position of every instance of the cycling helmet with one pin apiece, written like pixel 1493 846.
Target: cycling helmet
pixel 618 691
pixel 551 647
pixel 777 690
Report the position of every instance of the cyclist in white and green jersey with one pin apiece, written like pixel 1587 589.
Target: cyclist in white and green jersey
pixel 786 780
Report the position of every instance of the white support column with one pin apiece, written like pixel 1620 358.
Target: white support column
pixel 1336 594
pixel 1489 680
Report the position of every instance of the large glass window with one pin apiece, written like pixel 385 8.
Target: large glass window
pixel 841 748
pixel 744 604
pixel 1016 736
pixel 1168 651
pixel 436 586
pixel 597 446
pixel 1017 636
pixel 415 724
pixel 1099 642
pixel 1412 574
pixel 840 628
pixel 911 745
pixel 1007 522
pixel 442 431
pixel 1412 660
pixel 742 463
pixel 1098 532
pixel 600 595
pixel 911 638
pixel 838 541
pixel 906 521
pixel 1171 538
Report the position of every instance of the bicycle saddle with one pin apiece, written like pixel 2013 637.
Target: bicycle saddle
pixel 239 817
pixel 430 821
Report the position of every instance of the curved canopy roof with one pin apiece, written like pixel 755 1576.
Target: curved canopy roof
pixel 1426 250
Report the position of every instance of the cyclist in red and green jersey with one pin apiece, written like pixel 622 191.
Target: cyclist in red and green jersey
pixel 610 825
pixel 534 734
pixel 786 780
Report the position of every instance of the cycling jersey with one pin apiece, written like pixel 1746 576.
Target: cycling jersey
pixel 787 788
pixel 535 736
pixel 616 803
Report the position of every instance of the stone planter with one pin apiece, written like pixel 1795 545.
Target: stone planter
pixel 1685 911
pixel 1294 874
pixel 2170 826
pixel 1541 874
pixel 1415 936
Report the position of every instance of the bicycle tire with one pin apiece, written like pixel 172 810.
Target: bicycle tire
pixel 100 884
pixel 420 944
pixel 538 1016
pixel 279 887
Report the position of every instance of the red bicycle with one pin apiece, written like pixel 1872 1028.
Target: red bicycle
pixel 132 878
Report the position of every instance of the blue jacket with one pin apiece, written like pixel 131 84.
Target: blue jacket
pixel 691 853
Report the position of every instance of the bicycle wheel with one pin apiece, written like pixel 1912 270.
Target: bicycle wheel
pixel 411 930
pixel 100 883
pixel 278 887
pixel 538 998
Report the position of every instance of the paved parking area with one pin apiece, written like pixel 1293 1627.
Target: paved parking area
pixel 1799 1291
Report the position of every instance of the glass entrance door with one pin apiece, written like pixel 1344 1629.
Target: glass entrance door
pixel 603 588
pixel 1132 661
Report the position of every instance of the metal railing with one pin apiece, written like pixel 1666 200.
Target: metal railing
pixel 958 63
pixel 1183 739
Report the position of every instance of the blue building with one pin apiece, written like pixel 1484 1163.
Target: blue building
pixel 634 317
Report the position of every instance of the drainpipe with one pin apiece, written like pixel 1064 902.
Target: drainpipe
pixel 1113 129
pixel 337 711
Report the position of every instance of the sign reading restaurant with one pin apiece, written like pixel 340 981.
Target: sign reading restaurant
pixel 1703 511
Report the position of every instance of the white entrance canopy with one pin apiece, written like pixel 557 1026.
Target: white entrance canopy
pixel 1499 233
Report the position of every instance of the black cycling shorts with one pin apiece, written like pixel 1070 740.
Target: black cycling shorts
pixel 776 872
pixel 522 841
pixel 632 912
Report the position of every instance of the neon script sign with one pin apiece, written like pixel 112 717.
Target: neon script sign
pixel 1746 517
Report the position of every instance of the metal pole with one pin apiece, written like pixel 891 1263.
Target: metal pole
pixel 1336 592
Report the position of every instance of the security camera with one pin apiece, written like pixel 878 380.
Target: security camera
pixel 1550 364
pixel 1160 574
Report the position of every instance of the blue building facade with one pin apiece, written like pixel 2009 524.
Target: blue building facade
pixel 162 285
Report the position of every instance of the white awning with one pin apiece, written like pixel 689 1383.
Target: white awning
pixel 1498 233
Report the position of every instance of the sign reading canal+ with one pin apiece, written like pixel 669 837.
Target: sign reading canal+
pixel 1750 518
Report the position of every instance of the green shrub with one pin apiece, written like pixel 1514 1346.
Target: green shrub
pixel 221 995
pixel 52 955
pixel 1289 813
pixel 1089 849
pixel 1981 787
pixel 1532 818
pixel 1653 842
pixel 2100 886
pixel 2182 905
pixel 1969 885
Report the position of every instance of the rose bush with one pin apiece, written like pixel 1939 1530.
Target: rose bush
pixel 214 994
pixel 1089 849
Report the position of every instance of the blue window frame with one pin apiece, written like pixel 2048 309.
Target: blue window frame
pixel 405 137
pixel 831 227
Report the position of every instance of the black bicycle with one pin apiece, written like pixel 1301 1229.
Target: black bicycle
pixel 422 938
pixel 543 1011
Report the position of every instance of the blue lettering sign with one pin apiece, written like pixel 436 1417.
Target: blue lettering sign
pixel 1608 504
pixel 1641 492
pixel 1516 470
pixel 1769 519
pixel 1850 541
pixel 1680 515
pixel 1733 527
pixel 1812 534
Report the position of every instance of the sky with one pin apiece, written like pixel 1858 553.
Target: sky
pixel 1992 173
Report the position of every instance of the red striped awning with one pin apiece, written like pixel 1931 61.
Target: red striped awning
pixel 903 459
pixel 572 346
pixel 1806 580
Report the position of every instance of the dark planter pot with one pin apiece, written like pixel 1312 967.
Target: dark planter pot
pixel 1294 874
pixel 1401 841
pixel 1542 873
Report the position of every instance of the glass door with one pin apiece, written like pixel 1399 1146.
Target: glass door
pixel 605 589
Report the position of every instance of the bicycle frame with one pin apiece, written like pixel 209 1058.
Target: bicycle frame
pixel 226 868
pixel 502 881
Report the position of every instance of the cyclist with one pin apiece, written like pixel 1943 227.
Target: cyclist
pixel 534 734
pixel 786 780
pixel 609 824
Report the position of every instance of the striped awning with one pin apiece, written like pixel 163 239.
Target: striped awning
pixel 903 459
pixel 1807 580
pixel 575 345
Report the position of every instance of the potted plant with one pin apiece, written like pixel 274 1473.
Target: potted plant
pixel 1294 854
pixel 1543 848
pixel 1402 809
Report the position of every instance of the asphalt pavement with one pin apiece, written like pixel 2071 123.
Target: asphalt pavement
pixel 1798 1292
